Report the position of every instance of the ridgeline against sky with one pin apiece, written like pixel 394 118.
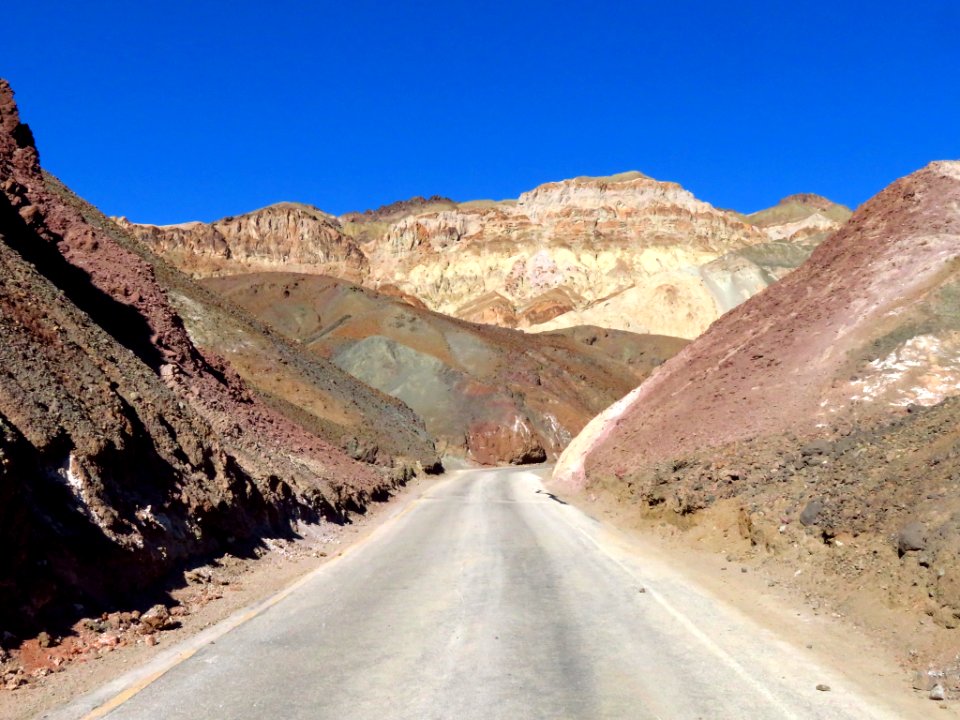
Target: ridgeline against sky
pixel 166 112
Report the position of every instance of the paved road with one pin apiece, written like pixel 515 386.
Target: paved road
pixel 488 599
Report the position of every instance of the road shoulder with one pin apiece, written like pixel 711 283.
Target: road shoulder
pixel 221 596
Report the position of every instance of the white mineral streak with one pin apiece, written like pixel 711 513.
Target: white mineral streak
pixel 924 370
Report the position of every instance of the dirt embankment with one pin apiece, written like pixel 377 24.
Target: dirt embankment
pixel 58 667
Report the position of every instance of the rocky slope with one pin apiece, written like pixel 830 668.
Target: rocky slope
pixel 625 252
pixel 562 248
pixel 370 225
pixel 313 392
pixel 794 227
pixel 492 394
pixel 125 447
pixel 824 409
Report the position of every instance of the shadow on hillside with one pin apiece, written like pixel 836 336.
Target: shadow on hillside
pixel 123 322
pixel 207 569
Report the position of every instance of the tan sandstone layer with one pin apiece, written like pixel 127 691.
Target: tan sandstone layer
pixel 626 252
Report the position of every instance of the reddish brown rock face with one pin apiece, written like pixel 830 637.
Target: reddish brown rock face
pixel 494 444
pixel 825 408
pixel 782 361
pixel 124 447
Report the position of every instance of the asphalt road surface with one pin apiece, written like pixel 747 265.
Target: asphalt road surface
pixel 489 599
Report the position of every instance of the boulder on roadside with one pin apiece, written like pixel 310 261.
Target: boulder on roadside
pixel 156 618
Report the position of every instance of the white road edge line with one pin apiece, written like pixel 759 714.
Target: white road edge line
pixel 687 624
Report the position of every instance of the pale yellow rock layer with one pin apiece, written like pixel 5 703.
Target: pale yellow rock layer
pixel 625 252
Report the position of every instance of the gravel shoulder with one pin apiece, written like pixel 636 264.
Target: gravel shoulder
pixel 877 646
pixel 237 583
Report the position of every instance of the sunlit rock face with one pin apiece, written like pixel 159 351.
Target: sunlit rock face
pixel 286 236
pixel 625 252
pixel 599 251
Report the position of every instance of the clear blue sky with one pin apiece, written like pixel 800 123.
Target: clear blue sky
pixel 169 111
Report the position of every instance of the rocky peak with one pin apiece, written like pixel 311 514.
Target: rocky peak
pixel 624 192
pixel 400 208
pixel 803 218
pixel 595 250
pixel 17 146
pixel 809 199
pixel 799 207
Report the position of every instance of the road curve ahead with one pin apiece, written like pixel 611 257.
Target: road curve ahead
pixel 489 599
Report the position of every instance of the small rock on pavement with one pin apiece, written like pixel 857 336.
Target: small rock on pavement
pixel 823 688
pixel 937 692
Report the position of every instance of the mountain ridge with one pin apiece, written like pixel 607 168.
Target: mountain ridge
pixel 552 258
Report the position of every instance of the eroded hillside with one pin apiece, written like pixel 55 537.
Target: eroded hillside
pixel 822 411
pixel 492 394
